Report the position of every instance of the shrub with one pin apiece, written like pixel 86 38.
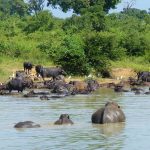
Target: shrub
pixel 71 56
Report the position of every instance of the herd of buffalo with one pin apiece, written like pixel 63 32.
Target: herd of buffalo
pixel 58 88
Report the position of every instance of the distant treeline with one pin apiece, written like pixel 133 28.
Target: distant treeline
pixel 83 43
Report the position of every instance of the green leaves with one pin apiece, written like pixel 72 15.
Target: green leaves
pixel 71 56
pixel 43 21
pixel 82 6
pixel 36 6
pixel 14 7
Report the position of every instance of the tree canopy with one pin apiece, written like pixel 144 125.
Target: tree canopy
pixel 81 6
pixel 9 7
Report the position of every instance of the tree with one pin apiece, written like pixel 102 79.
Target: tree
pixel 36 6
pixel 19 7
pixel 9 7
pixel 43 21
pixel 129 5
pixel 71 56
pixel 79 6
pixel 137 13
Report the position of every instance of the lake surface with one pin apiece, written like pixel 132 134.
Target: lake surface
pixel 134 134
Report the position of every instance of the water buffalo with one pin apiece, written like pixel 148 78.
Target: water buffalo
pixel 38 70
pixel 44 97
pixel 92 85
pixel 111 113
pixel 16 84
pixel 63 119
pixel 27 124
pixel 80 87
pixel 50 72
pixel 61 87
pixel 27 67
pixel 28 82
pixel 144 76
pixel 119 88
pixel 21 74
pixel 132 81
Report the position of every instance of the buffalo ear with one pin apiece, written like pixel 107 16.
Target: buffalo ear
pixel 68 117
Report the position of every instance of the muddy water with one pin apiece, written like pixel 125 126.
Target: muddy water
pixel 131 135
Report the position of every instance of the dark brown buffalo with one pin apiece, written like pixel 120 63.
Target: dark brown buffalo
pixel 51 72
pixel 38 69
pixel 63 119
pixel 27 67
pixel 111 113
pixel 120 88
pixel 19 84
pixel 16 84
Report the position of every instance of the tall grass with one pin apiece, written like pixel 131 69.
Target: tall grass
pixel 135 63
pixel 8 65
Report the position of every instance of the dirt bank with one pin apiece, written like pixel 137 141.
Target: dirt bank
pixel 117 74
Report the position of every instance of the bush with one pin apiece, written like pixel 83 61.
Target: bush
pixel 71 56
pixel 100 48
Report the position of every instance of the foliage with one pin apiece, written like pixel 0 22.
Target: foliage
pixel 90 41
pixel 13 7
pixel 42 21
pixel 79 6
pixel 71 56
pixel 36 6
pixel 137 13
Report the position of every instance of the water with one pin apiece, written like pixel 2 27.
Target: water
pixel 134 134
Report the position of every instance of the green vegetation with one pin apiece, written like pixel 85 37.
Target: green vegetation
pixel 90 41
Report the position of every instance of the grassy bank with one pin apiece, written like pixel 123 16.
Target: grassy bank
pixel 9 65
pixel 135 63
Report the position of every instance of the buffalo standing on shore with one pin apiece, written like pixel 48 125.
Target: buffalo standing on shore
pixel 49 72
pixel 19 84
pixel 27 67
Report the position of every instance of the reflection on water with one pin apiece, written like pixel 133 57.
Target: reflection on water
pixel 133 134
pixel 110 129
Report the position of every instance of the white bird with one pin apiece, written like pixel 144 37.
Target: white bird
pixel 69 77
pixel 121 77
pixel 90 76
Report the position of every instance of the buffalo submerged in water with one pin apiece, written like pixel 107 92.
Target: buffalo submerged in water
pixel 111 113
pixel 27 124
